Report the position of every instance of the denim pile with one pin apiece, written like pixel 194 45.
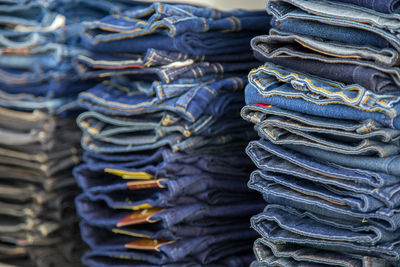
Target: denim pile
pixel 165 173
pixel 39 139
pixel 326 106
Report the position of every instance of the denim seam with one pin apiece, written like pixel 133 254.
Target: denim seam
pixel 279 93
pixel 285 78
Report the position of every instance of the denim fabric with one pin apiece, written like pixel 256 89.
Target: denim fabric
pixel 163 137
pixel 179 231
pixel 273 193
pixel 279 160
pixel 20 41
pixel 97 213
pixel 328 154
pixel 29 102
pixel 285 127
pixel 290 255
pixel 167 65
pixel 166 192
pixel 345 199
pixel 232 163
pixel 176 142
pixel 77 10
pixel 16 120
pixel 48 56
pixel 385 6
pixel 278 226
pixel 202 99
pixel 126 160
pixel 65 254
pixel 148 129
pixel 279 43
pixel 122 198
pixel 30 16
pixel 183 28
pixel 315 96
pixel 106 177
pixel 373 80
pixel 154 66
pixel 385 26
pixel 39 145
pixel 169 251
pixel 38 156
pixel 327 59
pixel 389 165
pixel 129 258
pixel 346 129
pixel 331 32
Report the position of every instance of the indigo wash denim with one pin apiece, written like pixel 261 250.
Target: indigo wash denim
pixel 337 14
pixel 193 30
pixel 389 165
pixel 98 213
pixel 128 258
pixel 346 63
pixel 384 6
pixel 347 129
pixel 176 142
pixel 276 159
pixel 286 127
pixel 156 67
pixel 31 16
pixel 331 32
pixel 170 251
pixel 384 218
pixel 291 255
pixel 307 94
pixel 149 128
pixel 277 226
pixel 203 99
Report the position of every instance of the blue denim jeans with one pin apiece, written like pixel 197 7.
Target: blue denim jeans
pixel 48 56
pixel 331 32
pixel 281 224
pixel 180 231
pixel 273 193
pixel 29 16
pixel 385 6
pixel 389 165
pixel 170 192
pixel 29 102
pixel 149 128
pixel 125 259
pixel 288 127
pixel 215 99
pixel 169 251
pixel 291 255
pixel 336 14
pixel 162 65
pixel 232 163
pixel 346 62
pixel 372 186
pixel 98 213
pixel 348 130
pixel 316 96
pixel 176 142
pixel 193 30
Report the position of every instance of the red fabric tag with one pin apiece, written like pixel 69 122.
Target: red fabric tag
pixel 263 105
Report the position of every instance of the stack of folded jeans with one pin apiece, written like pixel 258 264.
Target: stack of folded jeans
pixel 326 106
pixel 39 139
pixel 165 174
